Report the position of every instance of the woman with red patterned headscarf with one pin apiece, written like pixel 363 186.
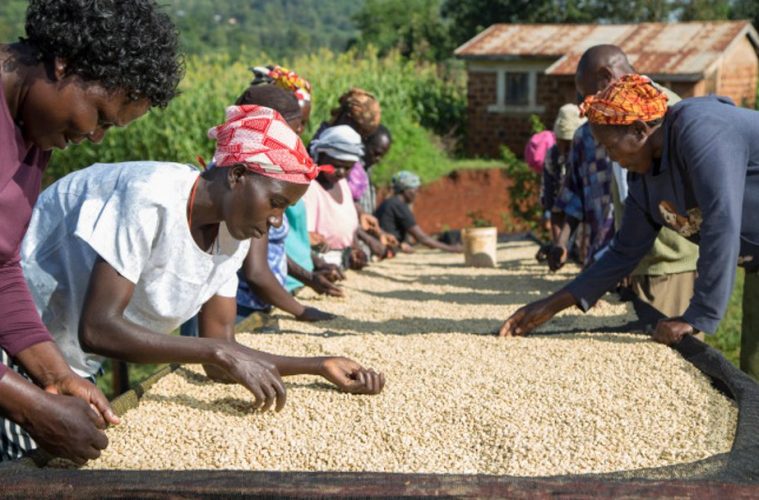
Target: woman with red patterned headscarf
pixel 141 247
pixel 694 167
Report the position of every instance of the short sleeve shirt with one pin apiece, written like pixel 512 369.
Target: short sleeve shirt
pixel 133 216
pixel 395 217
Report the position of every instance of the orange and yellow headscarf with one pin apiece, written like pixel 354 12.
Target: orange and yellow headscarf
pixel 284 78
pixel 625 101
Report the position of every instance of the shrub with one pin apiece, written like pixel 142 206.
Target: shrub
pixel 415 101
pixel 524 194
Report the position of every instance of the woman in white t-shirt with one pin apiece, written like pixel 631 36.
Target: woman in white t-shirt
pixel 118 253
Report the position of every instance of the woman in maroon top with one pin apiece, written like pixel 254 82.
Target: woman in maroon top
pixel 82 68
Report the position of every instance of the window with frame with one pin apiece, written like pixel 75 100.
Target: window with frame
pixel 517 91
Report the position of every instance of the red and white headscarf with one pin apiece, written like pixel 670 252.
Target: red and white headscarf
pixel 260 138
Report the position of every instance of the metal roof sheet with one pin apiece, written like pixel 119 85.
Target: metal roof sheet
pixel 686 49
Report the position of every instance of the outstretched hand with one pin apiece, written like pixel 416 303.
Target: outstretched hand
pixel 312 314
pixel 249 369
pixel 351 377
pixel 531 316
pixel 331 271
pixel 322 284
pixel 74 385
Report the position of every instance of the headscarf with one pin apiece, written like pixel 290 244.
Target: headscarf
pixel 361 107
pixel 536 149
pixel 567 122
pixel 260 138
pixel 284 78
pixel 625 101
pixel 340 142
pixel 404 180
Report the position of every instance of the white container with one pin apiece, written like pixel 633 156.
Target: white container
pixel 480 246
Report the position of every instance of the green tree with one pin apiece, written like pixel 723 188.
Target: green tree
pixel 471 17
pixel 12 17
pixel 413 27
pixel 705 10
pixel 746 9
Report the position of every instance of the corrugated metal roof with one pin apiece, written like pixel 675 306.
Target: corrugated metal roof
pixel 686 49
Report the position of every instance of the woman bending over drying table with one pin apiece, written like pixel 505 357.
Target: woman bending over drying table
pixel 331 213
pixel 118 254
pixel 262 277
pixel 81 69
pixel 396 218
pixel 693 168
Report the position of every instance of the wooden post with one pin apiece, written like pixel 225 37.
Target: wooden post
pixel 120 381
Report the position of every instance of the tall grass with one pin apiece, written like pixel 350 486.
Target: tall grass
pixel 416 102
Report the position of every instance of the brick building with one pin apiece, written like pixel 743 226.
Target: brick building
pixel 517 70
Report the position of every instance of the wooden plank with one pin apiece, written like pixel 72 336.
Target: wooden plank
pixel 27 483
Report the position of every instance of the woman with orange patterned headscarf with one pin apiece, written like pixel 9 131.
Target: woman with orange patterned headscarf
pixel 694 167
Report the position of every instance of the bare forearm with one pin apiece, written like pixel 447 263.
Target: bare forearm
pixel 431 242
pixel 289 365
pixel 561 300
pixel 267 288
pixel 121 339
pixel 44 362
pixel 570 224
pixel 18 397
pixel 298 272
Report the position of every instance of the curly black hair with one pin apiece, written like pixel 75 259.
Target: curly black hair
pixel 121 44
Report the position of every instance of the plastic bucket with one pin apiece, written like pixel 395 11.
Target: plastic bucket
pixel 480 246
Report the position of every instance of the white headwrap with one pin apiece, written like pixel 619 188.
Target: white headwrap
pixel 340 142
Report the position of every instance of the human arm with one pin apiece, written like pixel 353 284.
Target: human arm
pixel 715 159
pixel 569 203
pixel 368 222
pixel 104 330
pixel 417 232
pixel 217 322
pixel 62 425
pixel 24 337
pixel 331 271
pixel 318 281
pixel 265 285
pixel 631 243
pixel 374 244
pixel 559 251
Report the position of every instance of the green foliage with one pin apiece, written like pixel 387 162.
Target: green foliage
pixel 524 194
pixel 746 9
pixel 415 28
pixel 705 10
pixel 727 338
pixel 12 17
pixel 466 19
pixel 478 219
pixel 279 28
pixel 536 124
pixel 410 94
